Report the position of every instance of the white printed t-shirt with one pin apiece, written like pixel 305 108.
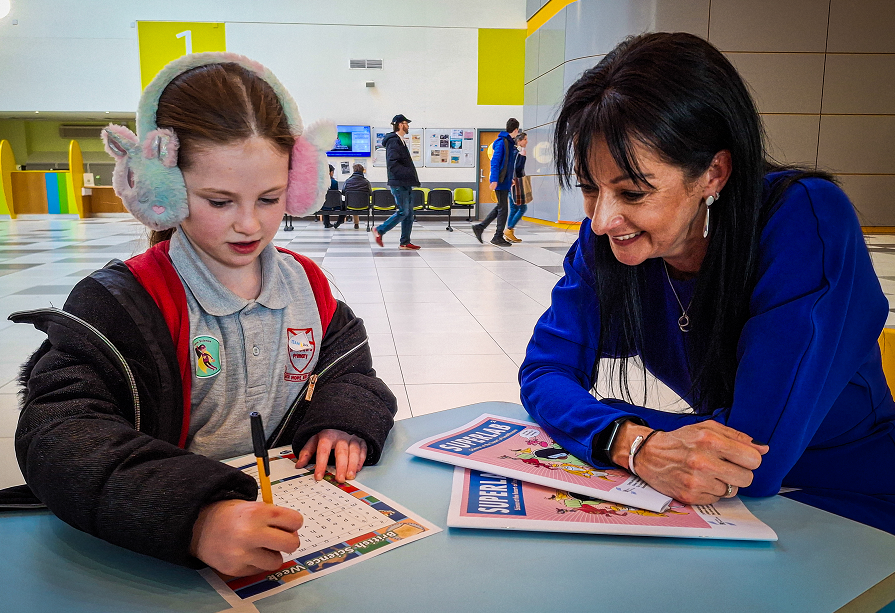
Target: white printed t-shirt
pixel 246 355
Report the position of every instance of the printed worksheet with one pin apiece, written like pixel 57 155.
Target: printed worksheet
pixel 343 524
pixel 487 500
pixel 522 450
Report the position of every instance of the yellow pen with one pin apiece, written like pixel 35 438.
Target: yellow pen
pixel 261 456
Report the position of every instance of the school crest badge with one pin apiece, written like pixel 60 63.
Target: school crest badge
pixel 301 348
pixel 208 356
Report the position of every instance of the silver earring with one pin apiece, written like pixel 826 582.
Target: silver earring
pixel 708 203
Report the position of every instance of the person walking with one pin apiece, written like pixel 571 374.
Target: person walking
pixel 502 170
pixel 518 206
pixel 402 179
pixel 357 182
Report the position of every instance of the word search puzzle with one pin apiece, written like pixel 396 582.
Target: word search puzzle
pixel 344 523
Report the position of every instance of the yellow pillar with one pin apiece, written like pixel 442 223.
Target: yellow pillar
pixel 7 165
pixel 76 168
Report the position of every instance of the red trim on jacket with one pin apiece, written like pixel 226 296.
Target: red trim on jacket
pixel 155 272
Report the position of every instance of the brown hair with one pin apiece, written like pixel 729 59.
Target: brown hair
pixel 219 104
pixel 358 168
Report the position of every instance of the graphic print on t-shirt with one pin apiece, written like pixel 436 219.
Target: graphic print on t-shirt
pixel 301 348
pixel 208 356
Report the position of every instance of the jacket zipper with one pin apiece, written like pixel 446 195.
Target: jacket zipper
pixel 307 392
pixel 132 383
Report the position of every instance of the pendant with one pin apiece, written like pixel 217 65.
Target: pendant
pixel 683 323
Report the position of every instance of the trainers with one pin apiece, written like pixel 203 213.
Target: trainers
pixel 378 237
pixel 356 226
pixel 501 242
pixel 477 230
pixel 410 246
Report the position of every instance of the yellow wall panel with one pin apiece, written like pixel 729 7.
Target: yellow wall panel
pixel 501 66
pixel 162 42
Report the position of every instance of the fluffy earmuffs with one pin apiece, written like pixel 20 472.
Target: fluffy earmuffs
pixel 146 176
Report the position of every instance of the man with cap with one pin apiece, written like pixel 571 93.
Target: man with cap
pixel 402 179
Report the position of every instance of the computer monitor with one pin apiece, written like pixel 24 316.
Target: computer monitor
pixel 351 141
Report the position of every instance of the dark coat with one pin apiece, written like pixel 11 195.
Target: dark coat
pixel 98 441
pixel 357 182
pixel 401 171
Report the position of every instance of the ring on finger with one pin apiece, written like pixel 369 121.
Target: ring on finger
pixel 729 493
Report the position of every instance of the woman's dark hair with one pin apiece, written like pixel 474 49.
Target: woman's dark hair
pixel 677 95
pixel 520 137
pixel 220 104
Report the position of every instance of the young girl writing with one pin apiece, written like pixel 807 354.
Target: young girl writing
pixel 150 371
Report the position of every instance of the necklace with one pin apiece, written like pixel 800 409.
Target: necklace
pixel 683 322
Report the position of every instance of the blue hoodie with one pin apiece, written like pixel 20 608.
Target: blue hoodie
pixel 504 158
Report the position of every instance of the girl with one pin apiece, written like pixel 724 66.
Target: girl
pixel 149 374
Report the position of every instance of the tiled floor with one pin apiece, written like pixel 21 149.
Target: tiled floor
pixel 448 324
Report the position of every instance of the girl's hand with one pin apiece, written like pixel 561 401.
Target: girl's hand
pixel 693 464
pixel 350 450
pixel 240 538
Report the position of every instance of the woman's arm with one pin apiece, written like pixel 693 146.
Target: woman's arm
pixel 556 375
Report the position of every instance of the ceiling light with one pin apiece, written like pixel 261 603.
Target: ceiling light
pixel 4 8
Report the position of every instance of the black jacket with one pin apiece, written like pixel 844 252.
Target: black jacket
pixel 103 409
pixel 357 182
pixel 401 171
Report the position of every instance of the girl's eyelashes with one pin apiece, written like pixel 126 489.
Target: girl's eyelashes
pixel 218 203
pixel 269 200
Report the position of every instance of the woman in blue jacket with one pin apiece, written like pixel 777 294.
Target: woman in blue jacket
pixel 743 286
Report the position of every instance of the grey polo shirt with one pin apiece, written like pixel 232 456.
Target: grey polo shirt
pixel 246 355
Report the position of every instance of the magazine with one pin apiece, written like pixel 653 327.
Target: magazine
pixel 522 450
pixel 486 500
pixel 344 523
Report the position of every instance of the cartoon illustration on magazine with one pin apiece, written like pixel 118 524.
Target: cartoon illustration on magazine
pixel 572 503
pixel 553 457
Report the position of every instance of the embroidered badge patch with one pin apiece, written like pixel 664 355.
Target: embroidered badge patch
pixel 208 356
pixel 301 348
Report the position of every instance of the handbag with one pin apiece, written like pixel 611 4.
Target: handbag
pixel 526 189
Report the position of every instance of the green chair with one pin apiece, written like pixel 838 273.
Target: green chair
pixel 464 198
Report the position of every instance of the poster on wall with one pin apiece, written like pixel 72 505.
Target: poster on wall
pixel 450 147
pixel 414 140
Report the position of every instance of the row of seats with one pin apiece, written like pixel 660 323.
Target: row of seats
pixel 425 201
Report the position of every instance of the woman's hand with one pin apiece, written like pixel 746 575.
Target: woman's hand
pixel 240 538
pixel 693 464
pixel 350 450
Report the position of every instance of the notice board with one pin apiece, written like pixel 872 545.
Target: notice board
pixel 450 147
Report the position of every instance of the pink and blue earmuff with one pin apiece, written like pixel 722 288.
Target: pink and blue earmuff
pixel 146 176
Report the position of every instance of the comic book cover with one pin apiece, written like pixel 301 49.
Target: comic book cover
pixel 487 500
pixel 344 523
pixel 522 450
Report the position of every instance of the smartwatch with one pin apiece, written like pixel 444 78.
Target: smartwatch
pixel 602 442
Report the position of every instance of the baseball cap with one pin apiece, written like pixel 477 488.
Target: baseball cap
pixel 399 118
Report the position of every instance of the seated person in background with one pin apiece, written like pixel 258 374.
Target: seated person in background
pixel 333 184
pixel 148 376
pixel 357 182
pixel 745 286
